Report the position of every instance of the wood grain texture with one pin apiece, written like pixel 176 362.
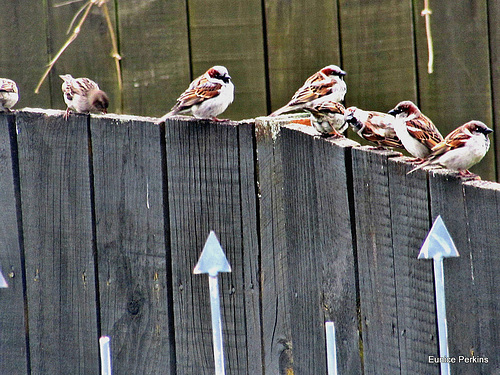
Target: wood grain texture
pixel 376 262
pixel 132 255
pixel 378 53
pixel 26 43
pixel 231 35
pixel 275 300
pixel 205 193
pixel 88 56
pixel 459 90
pixel 414 278
pixel 57 228
pixel 320 249
pixel 298 44
pixel 154 76
pixel 12 322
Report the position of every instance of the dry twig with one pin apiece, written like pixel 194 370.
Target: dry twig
pixel 426 13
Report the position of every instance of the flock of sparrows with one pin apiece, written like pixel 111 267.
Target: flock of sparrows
pixel 322 94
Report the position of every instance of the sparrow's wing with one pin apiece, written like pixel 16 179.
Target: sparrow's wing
pixel 312 90
pixel 454 140
pixel 79 86
pixel 197 93
pixel 378 130
pixel 7 85
pixel 425 131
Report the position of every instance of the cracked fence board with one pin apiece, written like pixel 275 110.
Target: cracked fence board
pixel 130 242
pixel 205 191
pixel 57 228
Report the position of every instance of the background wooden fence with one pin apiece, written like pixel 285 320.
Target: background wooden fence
pixel 270 47
pixel 104 217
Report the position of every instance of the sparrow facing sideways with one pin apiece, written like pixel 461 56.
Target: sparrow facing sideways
pixel 9 94
pixel 207 96
pixel 415 130
pixel 328 119
pixel 326 85
pixel 83 95
pixel 375 127
pixel 461 149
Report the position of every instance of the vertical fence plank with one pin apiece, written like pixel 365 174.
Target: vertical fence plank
pixel 205 193
pixel 12 332
pixel 414 278
pixel 153 77
pixel 459 90
pixel 230 35
pixel 493 14
pixel 276 333
pixel 377 283
pixel 25 61
pixel 320 249
pixel 131 244
pixel 88 56
pixel 57 227
pixel 299 45
pixel 482 204
pixel 378 53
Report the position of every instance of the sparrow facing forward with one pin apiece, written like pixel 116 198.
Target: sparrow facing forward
pixel 461 149
pixel 328 119
pixel 415 130
pixel 326 85
pixel 83 95
pixel 207 96
pixel 375 127
pixel 9 94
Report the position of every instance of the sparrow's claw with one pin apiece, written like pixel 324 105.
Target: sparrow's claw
pixel 66 114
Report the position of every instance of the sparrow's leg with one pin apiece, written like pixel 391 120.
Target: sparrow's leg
pixel 219 119
pixel 334 134
pixel 468 175
pixel 66 114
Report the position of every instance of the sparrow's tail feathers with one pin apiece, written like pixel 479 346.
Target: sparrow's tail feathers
pixel 420 166
pixel 281 111
pixel 173 112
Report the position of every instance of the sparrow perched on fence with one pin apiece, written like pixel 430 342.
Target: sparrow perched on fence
pixel 207 96
pixel 326 85
pixel 9 94
pixel 328 119
pixel 461 149
pixel 375 127
pixel 83 95
pixel 415 130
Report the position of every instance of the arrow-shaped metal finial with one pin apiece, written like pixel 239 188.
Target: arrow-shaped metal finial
pixel 212 259
pixel 3 283
pixel 438 242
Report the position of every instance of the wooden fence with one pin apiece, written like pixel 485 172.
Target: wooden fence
pixel 270 47
pixel 104 217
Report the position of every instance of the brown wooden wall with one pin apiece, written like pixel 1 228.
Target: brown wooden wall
pixel 270 47
pixel 104 218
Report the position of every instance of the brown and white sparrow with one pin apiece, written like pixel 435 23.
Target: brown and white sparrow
pixel 415 130
pixel 326 85
pixel 461 149
pixel 207 96
pixel 328 119
pixel 83 95
pixel 9 94
pixel 375 127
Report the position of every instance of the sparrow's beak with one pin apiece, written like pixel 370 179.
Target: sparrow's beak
pixel 226 78
pixel 487 131
pixel 393 112
pixel 342 73
pixel 348 118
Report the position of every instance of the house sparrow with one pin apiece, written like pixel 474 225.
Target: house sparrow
pixel 9 94
pixel 83 95
pixel 207 96
pixel 328 119
pixel 325 85
pixel 376 127
pixel 461 149
pixel 416 131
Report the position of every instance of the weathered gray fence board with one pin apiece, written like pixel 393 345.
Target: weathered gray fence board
pixel 276 334
pixel 58 243
pixel 414 278
pixel 13 336
pixel 482 201
pixel 231 35
pixel 153 77
pixel 459 90
pixel 376 266
pixel 204 193
pixel 128 187
pixel 299 45
pixel 493 14
pixel 379 58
